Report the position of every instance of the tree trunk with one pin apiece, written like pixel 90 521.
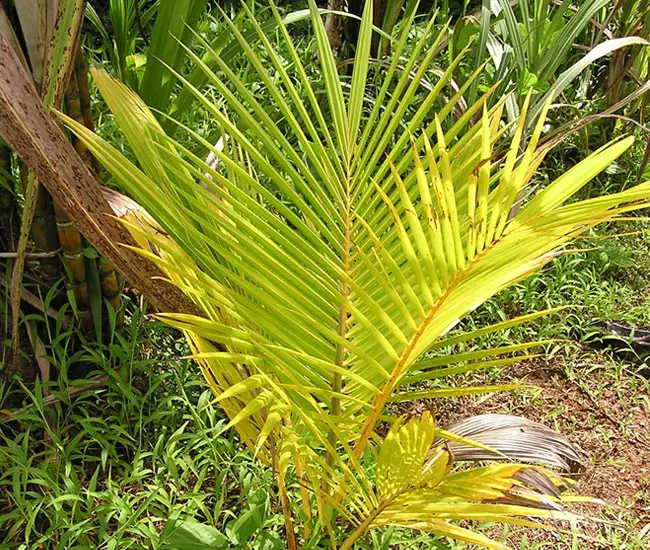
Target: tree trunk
pixel 344 31
pixel 334 26
pixel 378 12
pixel 39 140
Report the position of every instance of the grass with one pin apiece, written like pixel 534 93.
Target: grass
pixel 109 468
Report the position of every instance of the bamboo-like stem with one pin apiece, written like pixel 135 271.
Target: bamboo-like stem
pixel 81 72
pixel 69 236
pixel 73 255
pixel 74 110
pixel 111 286
pixel 111 283
pixel 81 75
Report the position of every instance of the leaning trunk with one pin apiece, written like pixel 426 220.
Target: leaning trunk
pixel 32 133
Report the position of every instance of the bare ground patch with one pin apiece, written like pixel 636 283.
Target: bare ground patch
pixel 602 407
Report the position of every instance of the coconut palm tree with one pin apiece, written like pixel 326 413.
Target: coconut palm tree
pixel 329 260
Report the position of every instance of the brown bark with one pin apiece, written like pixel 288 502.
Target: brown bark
pixel 32 133
pixel 334 26
pixel 378 12
pixel 344 31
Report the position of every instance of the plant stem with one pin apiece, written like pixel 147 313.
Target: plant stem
pixel 361 530
pixel 335 405
pixel 284 498
pixel 112 290
pixel 12 255
pixel 19 265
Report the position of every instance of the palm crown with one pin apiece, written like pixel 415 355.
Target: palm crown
pixel 329 257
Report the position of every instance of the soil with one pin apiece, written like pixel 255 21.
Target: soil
pixel 605 411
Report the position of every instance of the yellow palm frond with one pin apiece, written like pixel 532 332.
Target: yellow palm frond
pixel 344 248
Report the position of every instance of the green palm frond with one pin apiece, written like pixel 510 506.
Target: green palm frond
pixel 337 242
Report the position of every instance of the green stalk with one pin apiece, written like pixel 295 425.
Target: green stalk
pixel 29 188
pixel 74 110
pixel 78 107
pixel 81 72
pixel 73 255
pixel 111 285
pixel 69 236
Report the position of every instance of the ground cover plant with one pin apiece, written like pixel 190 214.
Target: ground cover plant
pixel 336 214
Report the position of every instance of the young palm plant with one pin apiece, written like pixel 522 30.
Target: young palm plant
pixel 331 256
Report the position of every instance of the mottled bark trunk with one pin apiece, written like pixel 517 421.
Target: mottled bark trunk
pixel 30 131
pixel 334 26
pixel 344 31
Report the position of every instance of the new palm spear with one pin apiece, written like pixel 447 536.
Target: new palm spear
pixel 331 257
